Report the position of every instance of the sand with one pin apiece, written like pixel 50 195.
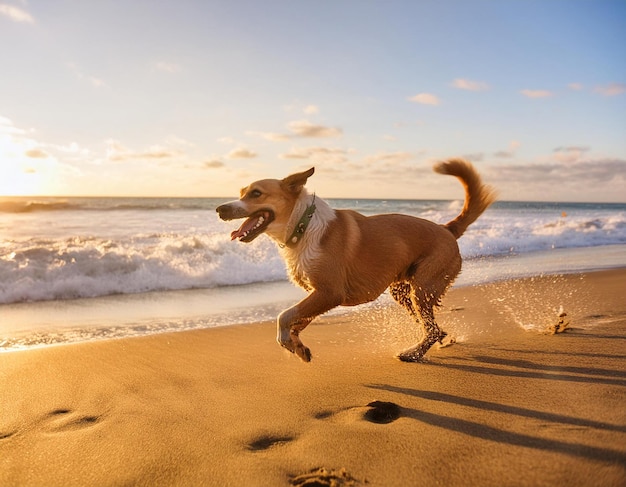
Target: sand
pixel 508 404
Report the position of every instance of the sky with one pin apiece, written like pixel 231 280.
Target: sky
pixel 199 98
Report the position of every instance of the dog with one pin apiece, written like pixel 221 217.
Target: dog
pixel 343 258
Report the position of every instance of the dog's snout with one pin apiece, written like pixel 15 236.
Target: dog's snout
pixel 224 211
pixel 230 211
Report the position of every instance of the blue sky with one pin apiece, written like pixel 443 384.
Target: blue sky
pixel 197 98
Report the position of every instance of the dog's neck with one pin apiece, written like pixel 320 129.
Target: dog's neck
pixel 309 218
pixel 301 226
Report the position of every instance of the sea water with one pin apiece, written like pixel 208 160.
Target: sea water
pixel 82 268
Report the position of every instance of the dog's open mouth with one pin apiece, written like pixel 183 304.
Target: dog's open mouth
pixel 254 226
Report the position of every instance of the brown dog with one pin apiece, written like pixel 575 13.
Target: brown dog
pixel 344 258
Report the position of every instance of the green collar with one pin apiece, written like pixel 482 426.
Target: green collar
pixel 301 226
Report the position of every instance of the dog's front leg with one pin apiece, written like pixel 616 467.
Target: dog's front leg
pixel 295 319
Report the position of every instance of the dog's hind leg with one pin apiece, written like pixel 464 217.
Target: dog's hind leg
pixel 420 305
pixel 402 292
pixel 295 319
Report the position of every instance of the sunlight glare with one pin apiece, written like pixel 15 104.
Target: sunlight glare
pixel 19 176
pixel 16 183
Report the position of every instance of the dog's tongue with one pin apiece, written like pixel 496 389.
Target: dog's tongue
pixel 245 227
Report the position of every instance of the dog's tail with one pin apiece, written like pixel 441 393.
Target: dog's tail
pixel 478 196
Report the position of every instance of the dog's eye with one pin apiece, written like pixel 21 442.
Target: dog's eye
pixel 255 193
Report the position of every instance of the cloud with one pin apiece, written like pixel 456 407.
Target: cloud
pixel 300 129
pixel 274 137
pixel 575 86
pixel 505 154
pixel 7 127
pixel 579 148
pixel 241 153
pixel 425 99
pixel 36 154
pixel 569 154
pixel 536 93
pixel 116 152
pixel 389 158
pixel 583 173
pixel 167 67
pixel 318 154
pixel 304 128
pixel 311 109
pixel 213 164
pixel 16 14
pixel 466 84
pixel 612 89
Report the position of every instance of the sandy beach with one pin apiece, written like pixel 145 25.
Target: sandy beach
pixel 509 404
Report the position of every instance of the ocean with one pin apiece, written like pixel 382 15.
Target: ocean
pixel 75 269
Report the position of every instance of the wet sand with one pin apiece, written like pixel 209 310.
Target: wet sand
pixel 507 404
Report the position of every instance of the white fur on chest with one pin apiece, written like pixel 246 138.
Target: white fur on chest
pixel 301 258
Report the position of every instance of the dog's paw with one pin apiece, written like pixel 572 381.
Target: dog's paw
pixel 304 353
pixel 410 357
pixel 416 353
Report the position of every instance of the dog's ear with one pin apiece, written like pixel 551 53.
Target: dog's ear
pixel 296 182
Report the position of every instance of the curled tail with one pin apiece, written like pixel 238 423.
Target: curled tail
pixel 478 196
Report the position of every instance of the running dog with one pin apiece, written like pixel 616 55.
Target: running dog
pixel 344 258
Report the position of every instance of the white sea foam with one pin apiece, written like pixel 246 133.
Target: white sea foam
pixel 37 270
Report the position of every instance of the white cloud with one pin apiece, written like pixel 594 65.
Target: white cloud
pixel 575 86
pixel 274 137
pixel 389 158
pixel 536 93
pixel 304 128
pixel 569 154
pixel 116 152
pixel 7 127
pixel 16 14
pixel 425 99
pixel 575 174
pixel 611 89
pixel 318 154
pixel 241 153
pixel 300 129
pixel 311 109
pixel 466 84
pixel 505 154
pixel 213 164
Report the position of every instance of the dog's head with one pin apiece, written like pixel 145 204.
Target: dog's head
pixel 267 206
